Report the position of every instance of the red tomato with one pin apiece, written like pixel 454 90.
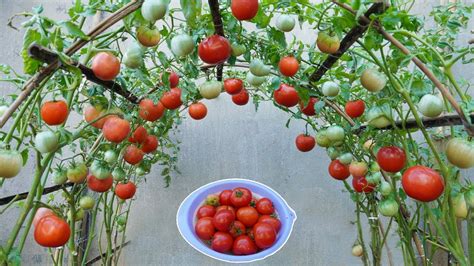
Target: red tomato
pixel 391 159
pixel 244 9
pixel 52 231
pixel 214 49
pixel 422 183
pixel 222 242
pixel 40 213
pixel 339 170
pixel 244 245
pixel 233 86
pixel 224 197
pixel 99 185
pixel 264 235
pixel 265 206
pixel 241 98
pixel 225 207
pixel 286 96
pixel 360 184
pixel 91 113
pixel 305 143
pixel 223 220
pixel 172 99
pixel 197 111
pixel 54 113
pixel 241 197
pixel 270 220
pixel 116 129
pixel 288 66
pixel 206 211
pixel 133 155
pixel 125 190
pixel 309 109
pixel 139 135
pixel 105 66
pixel 150 144
pixel 173 79
pixel 204 228
pixel 247 215
pixel 237 228
pixel 355 108
pixel 150 111
pixel 358 169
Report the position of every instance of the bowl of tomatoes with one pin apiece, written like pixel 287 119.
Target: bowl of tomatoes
pixel 235 220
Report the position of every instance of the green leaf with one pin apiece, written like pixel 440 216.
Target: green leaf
pixel 30 65
pixel 74 30
pixel 191 10
pixel 275 84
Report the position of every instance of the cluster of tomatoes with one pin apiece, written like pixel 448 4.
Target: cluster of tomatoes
pixel 236 222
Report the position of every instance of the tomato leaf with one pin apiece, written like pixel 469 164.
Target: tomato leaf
pixel 191 10
pixel 24 156
pixel 30 65
pixel 74 30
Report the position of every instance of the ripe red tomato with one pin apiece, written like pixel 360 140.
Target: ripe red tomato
pixel 289 66
pixel 222 242
pixel 214 49
pixel 264 235
pixel 225 207
pixel 265 206
pixel 233 86
pixel 40 213
pixel 244 9
pixel 422 183
pixel 54 113
pixel 206 211
pixel 223 220
pixel 286 96
pixel 204 228
pixel 270 220
pixel 244 245
pixel 309 109
pixel 197 111
pixel 150 144
pixel 338 170
pixel 105 66
pixel 139 135
pixel 241 197
pixel 247 215
pixel 236 229
pixel 305 143
pixel 116 129
pixel 150 111
pixel 172 99
pixel 99 185
pixel 355 108
pixel 173 79
pixel 224 197
pixel 52 231
pixel 133 155
pixel 91 113
pixel 360 184
pixel 125 190
pixel 391 159
pixel 241 98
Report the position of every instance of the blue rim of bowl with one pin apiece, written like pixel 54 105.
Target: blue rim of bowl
pixel 292 212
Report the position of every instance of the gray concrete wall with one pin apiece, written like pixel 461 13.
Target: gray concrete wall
pixel 231 142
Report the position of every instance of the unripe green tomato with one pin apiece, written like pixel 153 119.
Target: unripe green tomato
pixel 148 36
pixel 385 188
pixel 212 200
pixel 79 214
pixel 285 23
pixel 100 170
pixel 153 10
pixel 258 68
pixel 430 106
pixel 182 45
pixel 460 206
pixel 374 178
pixel 3 109
pixel 110 156
pixel 118 174
pixel 254 80
pixel 374 167
pixel 46 142
pixel 335 133
pixel 327 43
pixel 87 202
pixel 345 158
pixel 133 57
pixel 210 89
pixel 357 251
pixel 121 220
pixel 388 207
pixel 59 177
pixel 140 171
pixel 333 153
pixel 322 139
pixel 238 49
pixel 377 118
pixel 469 197
pixel 372 80
pixel 330 89
pixel 460 152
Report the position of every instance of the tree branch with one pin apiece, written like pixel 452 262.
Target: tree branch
pixel 218 28
pixel 42 54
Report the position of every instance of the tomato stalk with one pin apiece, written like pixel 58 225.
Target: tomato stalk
pixel 470 236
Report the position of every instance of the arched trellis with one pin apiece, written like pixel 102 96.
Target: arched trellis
pixel 352 36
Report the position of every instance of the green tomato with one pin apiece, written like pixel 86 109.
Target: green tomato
pixel 59 177
pixel 153 10
pixel 285 23
pixel 333 153
pixel 254 80
pixel 460 206
pixel 46 142
pixel 330 89
pixel 212 200
pixel 238 49
pixel 374 167
pixel 140 171
pixel 133 57
pixel 430 106
pixel 87 202
pixel 460 153
pixel 148 36
pixel 121 220
pixel 328 44
pixel 3 109
pixel 77 173
pixel 322 139
pixel 374 178
pixel 357 250
pixel 211 89
pixel 345 158
pixel 79 215
pixel 100 170
pixel 118 174
pixel 372 80
pixel 376 117
pixel 385 188
pixel 182 45
pixel 110 156
pixel 335 133
pixel 259 69
pixel 11 163
pixel 469 197
pixel 388 207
